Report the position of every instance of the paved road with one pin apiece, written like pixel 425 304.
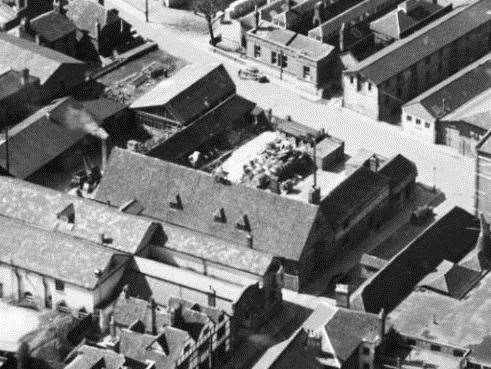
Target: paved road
pixel 451 173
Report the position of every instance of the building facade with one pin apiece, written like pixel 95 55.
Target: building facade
pixel 483 177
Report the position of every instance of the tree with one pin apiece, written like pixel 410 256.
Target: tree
pixel 209 10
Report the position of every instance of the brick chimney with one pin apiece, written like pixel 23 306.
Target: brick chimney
pixel 24 76
pixel 256 17
pixel 374 163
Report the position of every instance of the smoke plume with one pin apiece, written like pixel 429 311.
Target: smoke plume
pixel 80 120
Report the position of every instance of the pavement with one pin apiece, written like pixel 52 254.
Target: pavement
pixel 437 165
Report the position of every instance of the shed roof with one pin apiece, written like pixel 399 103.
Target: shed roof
pixel 39 206
pixel 190 92
pixel 279 226
pixel 41 61
pixel 403 53
pixel 52 25
pixel 53 254
pixel 459 89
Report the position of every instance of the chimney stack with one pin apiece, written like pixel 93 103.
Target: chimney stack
pixel 317 14
pixel 112 327
pixel 256 17
pixel 153 306
pixel 374 163
pixel 484 239
pixel 24 76
pixel 289 4
pixel 25 26
pixel 341 37
pixel 342 293
pixel 249 241
pixel 101 2
pixel 103 155
pixel 381 327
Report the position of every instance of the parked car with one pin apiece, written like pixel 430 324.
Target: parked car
pixel 252 73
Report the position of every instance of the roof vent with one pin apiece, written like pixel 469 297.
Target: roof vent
pixel 98 273
pixel 219 215
pixel 177 203
pixel 67 215
pixel 243 224
pixel 103 239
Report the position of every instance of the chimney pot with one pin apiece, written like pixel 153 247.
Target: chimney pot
pixel 374 163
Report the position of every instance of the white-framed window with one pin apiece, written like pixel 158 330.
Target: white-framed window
pixel 257 51
pixel 306 72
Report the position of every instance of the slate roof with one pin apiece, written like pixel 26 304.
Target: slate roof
pixel 38 139
pixel 10 83
pixel 53 254
pixel 102 108
pixel 304 46
pixel 455 91
pixel 398 169
pixel 52 26
pixel 85 14
pixel 351 194
pixel 279 226
pixel 164 349
pixel 87 357
pixel 393 24
pixel 39 206
pixel 400 55
pixel 42 62
pixel 213 313
pixel 190 92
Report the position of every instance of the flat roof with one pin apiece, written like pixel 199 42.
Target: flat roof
pixel 307 47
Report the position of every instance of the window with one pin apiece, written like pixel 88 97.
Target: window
pixel 427 125
pixel 458 353
pixel 274 57
pixel 351 79
pixel 418 121
pixel 366 351
pixel 59 285
pixel 435 348
pixel 221 332
pixel 369 86
pixel 284 60
pixel 411 342
pixel 306 72
pixel 257 51
pixel 409 118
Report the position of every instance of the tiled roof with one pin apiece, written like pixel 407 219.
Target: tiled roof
pixel 87 357
pixel 398 169
pixel 190 92
pixel 10 83
pixel 39 206
pixel 352 193
pixel 213 313
pixel 41 61
pixel 53 254
pixel 128 310
pixel 37 140
pixel 452 93
pixel 278 225
pixel 403 53
pixel 52 26
pixel 102 108
pixel 393 23
pixel 163 349
pixel 85 14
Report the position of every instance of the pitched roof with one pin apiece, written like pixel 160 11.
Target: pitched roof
pixel 403 53
pixel 459 89
pixel 279 226
pixel 190 92
pixel 39 139
pixel 87 357
pixel 85 14
pixel 102 108
pixel 345 329
pixel 39 206
pixel 11 83
pixel 358 188
pixel 398 169
pixel 53 254
pixel 41 61
pixel 52 25
pixel 127 310
pixel 393 24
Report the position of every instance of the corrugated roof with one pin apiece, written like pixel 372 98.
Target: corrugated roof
pixel 51 253
pixel 52 26
pixel 190 92
pixel 40 206
pixel 403 53
pixel 279 226
pixel 455 91
pixel 41 61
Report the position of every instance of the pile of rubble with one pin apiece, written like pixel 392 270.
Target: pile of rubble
pixel 280 166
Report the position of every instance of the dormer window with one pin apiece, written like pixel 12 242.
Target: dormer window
pixel 243 224
pixel 177 203
pixel 219 215
pixel 67 215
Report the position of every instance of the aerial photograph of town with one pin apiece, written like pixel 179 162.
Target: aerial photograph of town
pixel 245 184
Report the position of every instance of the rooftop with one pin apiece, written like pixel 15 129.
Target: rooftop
pixel 403 53
pixel 303 45
pixel 11 83
pixel 453 97
pixel 52 253
pixel 40 206
pixel 41 61
pixel 485 144
pixel 86 14
pixel 91 357
pixel 52 25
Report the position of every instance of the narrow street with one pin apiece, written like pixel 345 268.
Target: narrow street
pixel 437 165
